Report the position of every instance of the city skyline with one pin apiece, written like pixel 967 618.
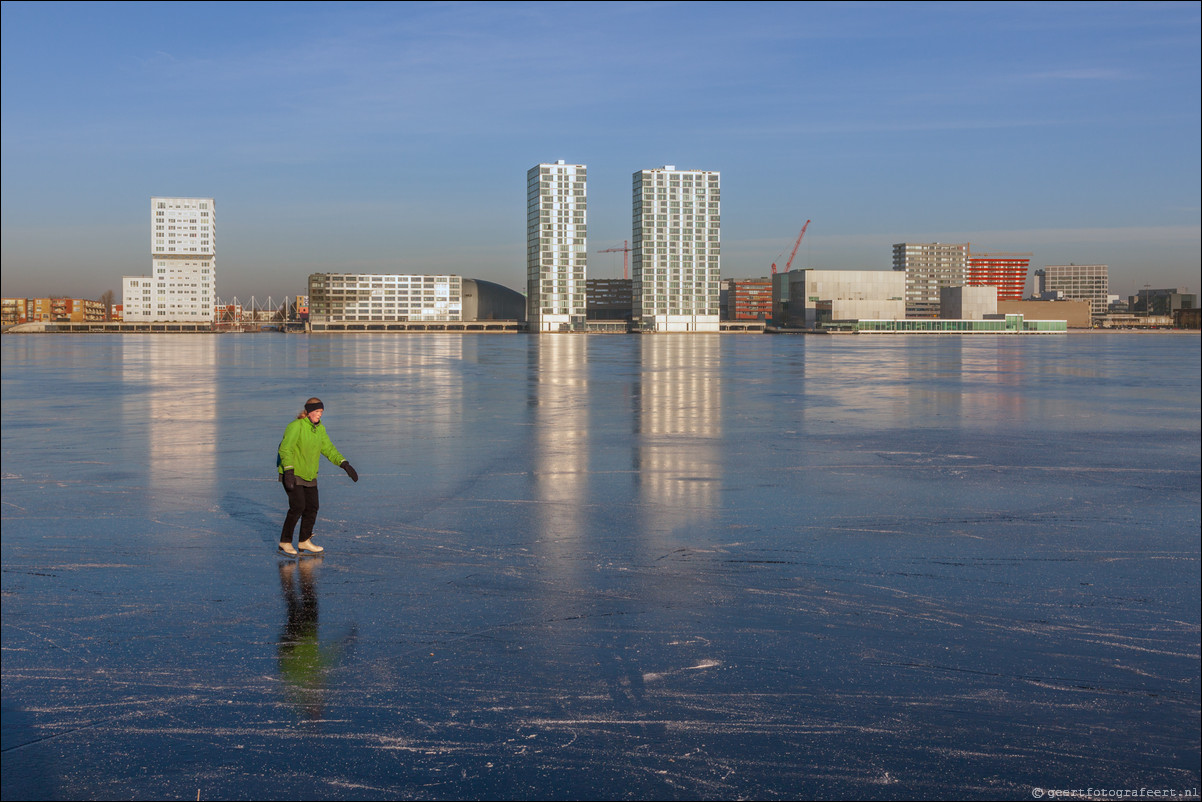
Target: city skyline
pixel 393 138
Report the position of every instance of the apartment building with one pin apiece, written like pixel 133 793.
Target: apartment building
pixel 676 249
pixel 374 297
pixel 929 266
pixel 14 311
pixel 182 286
pixel 556 246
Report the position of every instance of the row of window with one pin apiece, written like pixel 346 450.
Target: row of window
pixel 444 317
pixel 182 205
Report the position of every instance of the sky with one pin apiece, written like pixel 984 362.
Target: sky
pixel 395 138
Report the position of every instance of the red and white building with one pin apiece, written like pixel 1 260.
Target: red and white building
pixel 749 299
pixel 1006 271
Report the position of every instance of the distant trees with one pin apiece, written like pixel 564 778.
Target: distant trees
pixel 107 300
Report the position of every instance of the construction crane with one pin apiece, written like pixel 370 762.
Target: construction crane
pixel 625 256
pixel 796 245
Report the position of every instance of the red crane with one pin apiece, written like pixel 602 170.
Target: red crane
pixel 625 256
pixel 796 245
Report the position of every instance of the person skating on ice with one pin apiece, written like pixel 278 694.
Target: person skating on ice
pixel 304 441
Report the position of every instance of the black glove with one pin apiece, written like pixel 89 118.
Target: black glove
pixel 289 481
pixel 346 466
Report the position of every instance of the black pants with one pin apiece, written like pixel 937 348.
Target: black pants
pixel 302 506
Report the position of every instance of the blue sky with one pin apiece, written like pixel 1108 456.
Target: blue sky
pixel 382 137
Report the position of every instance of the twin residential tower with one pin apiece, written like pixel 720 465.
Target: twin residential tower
pixel 676 248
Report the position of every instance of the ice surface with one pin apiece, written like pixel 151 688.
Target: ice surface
pixel 735 566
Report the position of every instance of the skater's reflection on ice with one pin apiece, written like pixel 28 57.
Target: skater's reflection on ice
pixel 303 659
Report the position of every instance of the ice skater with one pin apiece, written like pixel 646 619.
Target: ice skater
pixel 305 440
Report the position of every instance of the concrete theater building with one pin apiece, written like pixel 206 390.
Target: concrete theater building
pixel 814 298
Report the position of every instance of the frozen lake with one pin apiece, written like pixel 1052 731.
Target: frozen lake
pixel 737 566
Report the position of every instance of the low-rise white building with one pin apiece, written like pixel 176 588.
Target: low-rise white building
pixel 374 297
pixel 967 303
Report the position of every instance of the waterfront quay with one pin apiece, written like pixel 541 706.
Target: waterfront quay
pixel 400 327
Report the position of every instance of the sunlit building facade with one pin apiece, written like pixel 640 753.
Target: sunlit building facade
pixel 182 286
pixel 51 310
pixel 556 246
pixel 13 311
pixel 374 297
pixel 677 248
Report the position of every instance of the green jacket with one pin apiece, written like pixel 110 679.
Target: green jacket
pixel 302 447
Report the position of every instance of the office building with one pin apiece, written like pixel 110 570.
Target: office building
pixel 928 267
pixel 609 298
pixel 1075 283
pixel 1006 271
pixel 182 286
pixel 676 249
pixel 556 246
pixel 748 298
pixel 1165 302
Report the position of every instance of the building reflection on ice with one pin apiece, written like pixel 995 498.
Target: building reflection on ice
pixel 171 391
pixel 993 372
pixel 410 373
pixel 560 415
pixel 671 415
pixel 679 427
pixel 919 382
pixel 396 401
pixel 963 382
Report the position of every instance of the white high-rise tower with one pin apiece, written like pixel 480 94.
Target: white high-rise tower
pixel 182 286
pixel 556 246
pixel 677 249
